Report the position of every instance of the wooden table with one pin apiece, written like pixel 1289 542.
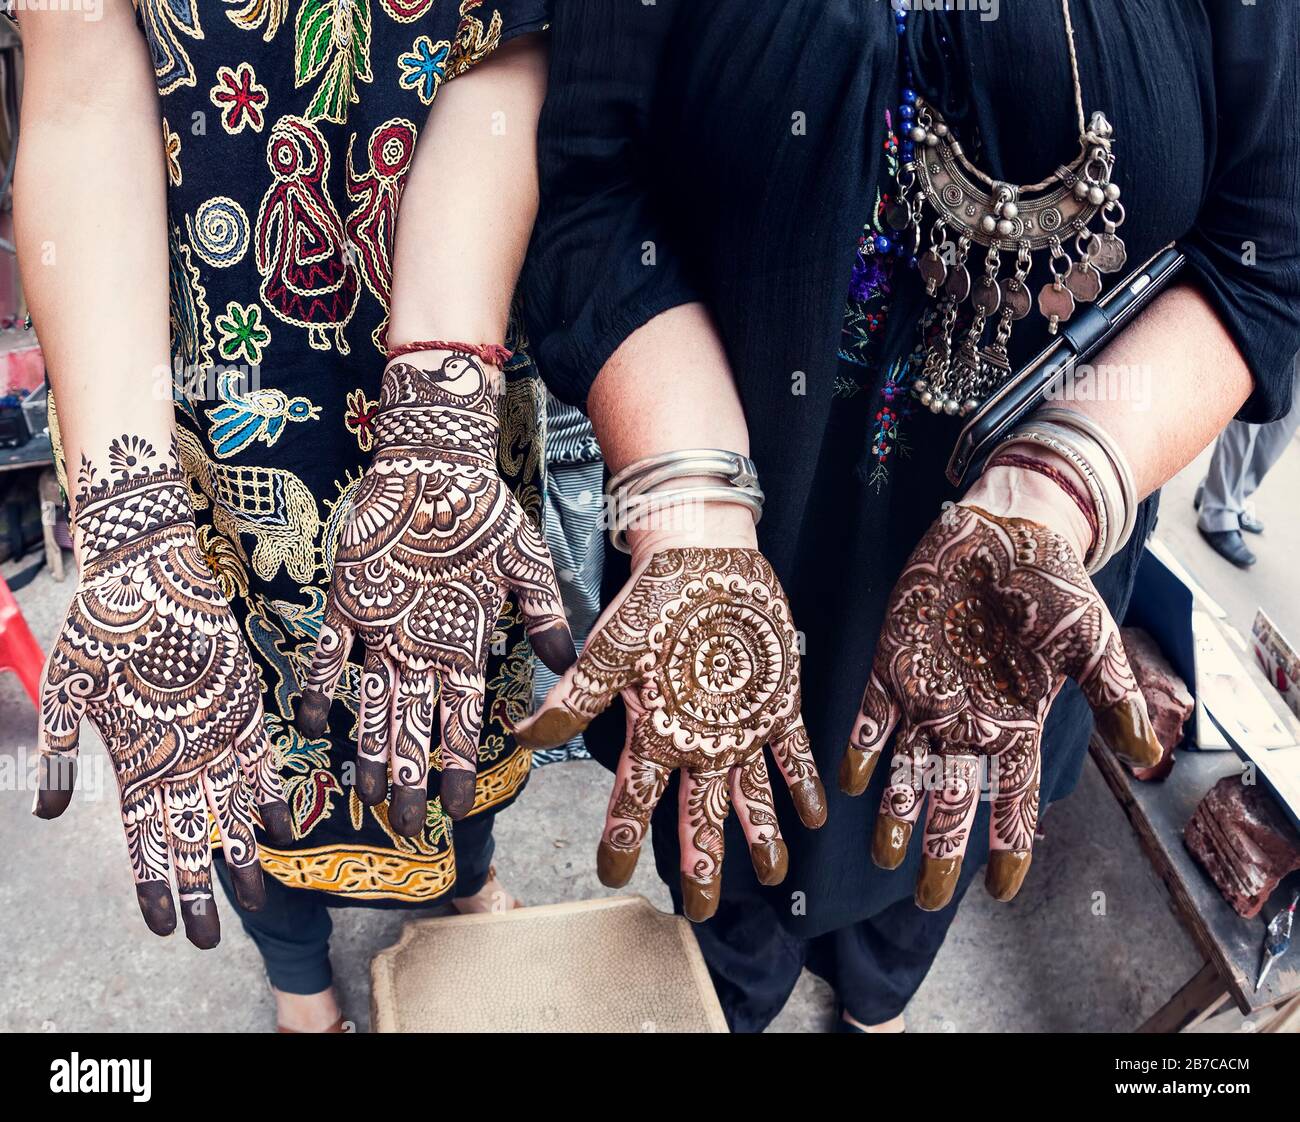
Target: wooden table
pixel 1231 945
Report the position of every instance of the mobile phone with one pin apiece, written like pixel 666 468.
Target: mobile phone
pixel 1078 339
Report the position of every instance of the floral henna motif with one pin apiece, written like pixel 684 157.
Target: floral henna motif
pixel 988 618
pixel 150 653
pixel 434 543
pixel 702 648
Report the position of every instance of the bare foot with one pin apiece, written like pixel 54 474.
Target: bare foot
pixel 492 897
pixel 307 1012
pixel 897 1024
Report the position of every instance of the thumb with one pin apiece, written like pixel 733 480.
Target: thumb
pixel 1118 705
pixel 607 665
pixel 65 695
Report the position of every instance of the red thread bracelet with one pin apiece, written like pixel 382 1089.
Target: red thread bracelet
pixel 1029 463
pixel 492 353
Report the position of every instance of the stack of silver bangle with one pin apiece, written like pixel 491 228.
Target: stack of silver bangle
pixel 640 489
pixel 1103 466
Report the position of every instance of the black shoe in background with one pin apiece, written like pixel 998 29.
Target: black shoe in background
pixel 1229 545
pixel 1250 523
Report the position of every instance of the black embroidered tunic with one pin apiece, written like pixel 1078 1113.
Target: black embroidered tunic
pixel 289 130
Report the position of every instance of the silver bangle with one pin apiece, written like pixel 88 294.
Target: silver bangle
pixel 628 513
pixel 1099 464
pixel 1030 434
pixel 636 491
pixel 1081 422
pixel 653 471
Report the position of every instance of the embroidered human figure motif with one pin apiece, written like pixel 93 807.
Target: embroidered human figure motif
pixel 151 654
pixel 703 652
pixel 434 544
pixel 986 621
pixel 375 192
pixel 309 277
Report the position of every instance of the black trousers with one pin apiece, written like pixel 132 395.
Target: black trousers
pixel 292 932
pixel 874 966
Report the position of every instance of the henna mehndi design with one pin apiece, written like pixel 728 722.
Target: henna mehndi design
pixel 434 543
pixel 150 653
pixel 987 619
pixel 702 647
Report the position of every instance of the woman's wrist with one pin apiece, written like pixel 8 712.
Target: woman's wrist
pixel 701 524
pixel 1020 492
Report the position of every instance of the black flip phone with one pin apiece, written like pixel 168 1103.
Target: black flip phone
pixel 1078 339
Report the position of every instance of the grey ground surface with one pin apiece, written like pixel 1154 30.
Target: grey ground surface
pixel 75 955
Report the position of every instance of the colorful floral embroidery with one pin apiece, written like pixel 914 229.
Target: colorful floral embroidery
pixel 242 333
pixel 424 67
pixel 887 439
pixel 255 13
pixel 240 97
pixel 223 560
pixel 334 36
pixel 172 149
pixel 865 312
pixel 472 42
pixel 164 22
pixel 359 418
pixel 252 250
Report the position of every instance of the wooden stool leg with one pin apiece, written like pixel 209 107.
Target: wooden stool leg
pixel 51 500
pixel 1191 1004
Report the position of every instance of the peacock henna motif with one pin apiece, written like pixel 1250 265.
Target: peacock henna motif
pixel 434 543
pixel 702 648
pixel 988 618
pixel 151 654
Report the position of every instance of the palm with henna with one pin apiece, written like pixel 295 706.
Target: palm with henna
pixel 151 655
pixel 433 545
pixel 701 646
pixel 988 618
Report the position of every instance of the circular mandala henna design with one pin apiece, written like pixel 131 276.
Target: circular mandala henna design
pixel 434 543
pixel 701 646
pixel 988 618
pixel 151 654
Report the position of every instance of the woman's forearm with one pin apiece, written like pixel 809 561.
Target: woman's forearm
pixel 90 223
pixel 1165 387
pixel 669 387
pixel 470 202
pixel 1163 390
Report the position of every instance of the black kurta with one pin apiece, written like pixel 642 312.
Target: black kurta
pixel 741 142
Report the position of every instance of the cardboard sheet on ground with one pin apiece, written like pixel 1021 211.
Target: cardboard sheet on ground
pixel 1232 709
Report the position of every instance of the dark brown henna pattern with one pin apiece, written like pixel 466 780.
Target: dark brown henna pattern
pixel 150 653
pixel 702 648
pixel 988 618
pixel 434 543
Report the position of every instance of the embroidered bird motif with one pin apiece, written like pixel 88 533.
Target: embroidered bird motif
pixel 253 415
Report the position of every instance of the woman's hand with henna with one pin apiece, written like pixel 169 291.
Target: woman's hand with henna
pixel 150 653
pixel 434 543
pixel 701 646
pixel 990 615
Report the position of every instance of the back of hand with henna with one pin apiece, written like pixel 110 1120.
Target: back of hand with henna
pixel 151 654
pixel 434 543
pixel 988 618
pixel 701 646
